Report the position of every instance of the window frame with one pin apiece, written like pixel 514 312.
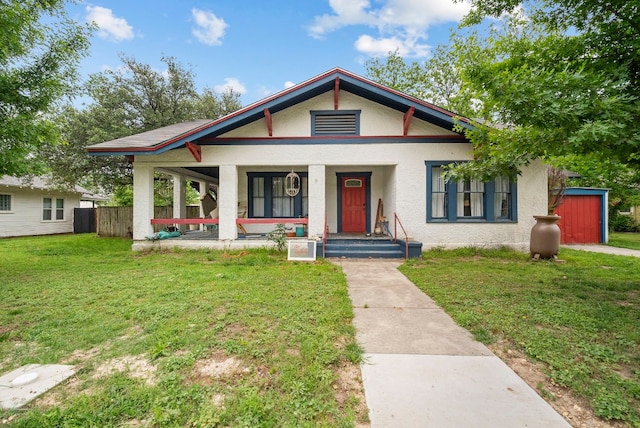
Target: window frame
pixel 11 203
pixel 451 200
pixel 316 113
pixel 54 209
pixel 267 195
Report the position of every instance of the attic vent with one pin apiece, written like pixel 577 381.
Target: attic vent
pixel 335 123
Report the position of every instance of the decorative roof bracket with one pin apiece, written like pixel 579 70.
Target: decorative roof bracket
pixel 336 93
pixel 407 120
pixel 267 118
pixel 196 151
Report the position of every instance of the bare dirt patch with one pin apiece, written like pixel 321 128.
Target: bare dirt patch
pixel 575 410
pixel 81 355
pixel 135 366
pixel 218 366
pixel 349 387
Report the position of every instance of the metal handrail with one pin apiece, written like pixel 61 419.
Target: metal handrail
pixel 324 235
pixel 396 221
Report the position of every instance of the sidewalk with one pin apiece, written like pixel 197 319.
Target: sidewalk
pixel 598 248
pixel 421 369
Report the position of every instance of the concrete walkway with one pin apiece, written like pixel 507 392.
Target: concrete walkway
pixel 596 248
pixel 422 370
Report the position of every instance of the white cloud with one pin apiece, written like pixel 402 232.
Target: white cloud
pixel 231 83
pixel 288 84
pixel 400 24
pixel 209 28
pixel 109 26
pixel 346 12
pixel 406 47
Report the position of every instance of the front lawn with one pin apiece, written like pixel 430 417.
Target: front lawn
pixel 580 319
pixel 625 240
pixel 191 338
pixel 198 338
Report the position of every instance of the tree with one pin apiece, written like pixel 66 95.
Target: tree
pixel 564 80
pixel 38 63
pixel 437 80
pixel 133 99
pixel 622 181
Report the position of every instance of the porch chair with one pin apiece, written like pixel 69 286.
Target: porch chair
pixel 209 209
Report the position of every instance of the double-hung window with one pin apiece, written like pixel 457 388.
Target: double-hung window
pixel 6 203
pixel 268 197
pixel 52 209
pixel 468 200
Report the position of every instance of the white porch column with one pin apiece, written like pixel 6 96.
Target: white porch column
pixel 142 201
pixel 228 202
pixel 203 187
pixel 317 202
pixel 179 199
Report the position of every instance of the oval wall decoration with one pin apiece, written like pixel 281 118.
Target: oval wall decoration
pixel 292 184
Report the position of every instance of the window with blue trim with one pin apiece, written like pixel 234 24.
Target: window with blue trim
pixel 268 198
pixel 468 200
pixel 335 122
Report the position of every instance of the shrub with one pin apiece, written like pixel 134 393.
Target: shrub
pixel 279 236
pixel 623 223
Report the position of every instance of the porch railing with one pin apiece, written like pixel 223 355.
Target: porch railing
pixel 240 221
pixel 184 221
pixel 397 222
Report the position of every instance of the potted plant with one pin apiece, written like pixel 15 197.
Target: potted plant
pixel 545 234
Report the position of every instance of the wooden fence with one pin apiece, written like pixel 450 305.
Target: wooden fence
pixel 118 221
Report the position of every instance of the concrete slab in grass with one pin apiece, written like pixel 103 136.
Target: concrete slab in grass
pixel 22 385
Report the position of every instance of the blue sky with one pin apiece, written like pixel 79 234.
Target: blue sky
pixel 261 47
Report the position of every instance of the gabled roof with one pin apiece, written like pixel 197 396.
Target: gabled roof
pixel 43 183
pixel 175 136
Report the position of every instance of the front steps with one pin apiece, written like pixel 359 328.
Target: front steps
pixel 375 248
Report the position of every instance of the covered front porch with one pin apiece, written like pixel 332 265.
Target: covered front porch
pixel 334 201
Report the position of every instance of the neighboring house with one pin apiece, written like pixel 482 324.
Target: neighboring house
pixel 33 207
pixel 353 143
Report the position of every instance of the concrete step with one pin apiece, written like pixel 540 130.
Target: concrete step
pixel 363 249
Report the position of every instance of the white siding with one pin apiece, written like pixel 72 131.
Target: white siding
pixel 398 171
pixel 398 176
pixel 26 217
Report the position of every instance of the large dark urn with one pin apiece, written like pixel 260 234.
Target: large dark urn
pixel 545 237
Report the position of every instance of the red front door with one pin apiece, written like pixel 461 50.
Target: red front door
pixel 354 206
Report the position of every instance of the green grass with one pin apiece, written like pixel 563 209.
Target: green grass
pixel 283 330
pixel 625 240
pixel 580 319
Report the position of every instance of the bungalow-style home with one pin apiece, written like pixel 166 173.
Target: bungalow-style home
pixel 34 207
pixel 336 154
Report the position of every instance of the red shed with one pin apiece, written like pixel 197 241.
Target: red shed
pixel 585 216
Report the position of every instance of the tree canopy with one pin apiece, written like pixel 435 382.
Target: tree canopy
pixel 548 79
pixel 133 99
pixel 562 76
pixel 40 48
pixel 437 80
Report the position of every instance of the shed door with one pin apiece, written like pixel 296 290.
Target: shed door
pixel 354 207
pixel 581 221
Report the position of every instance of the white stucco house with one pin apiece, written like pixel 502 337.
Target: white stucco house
pixel 34 207
pixel 356 145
